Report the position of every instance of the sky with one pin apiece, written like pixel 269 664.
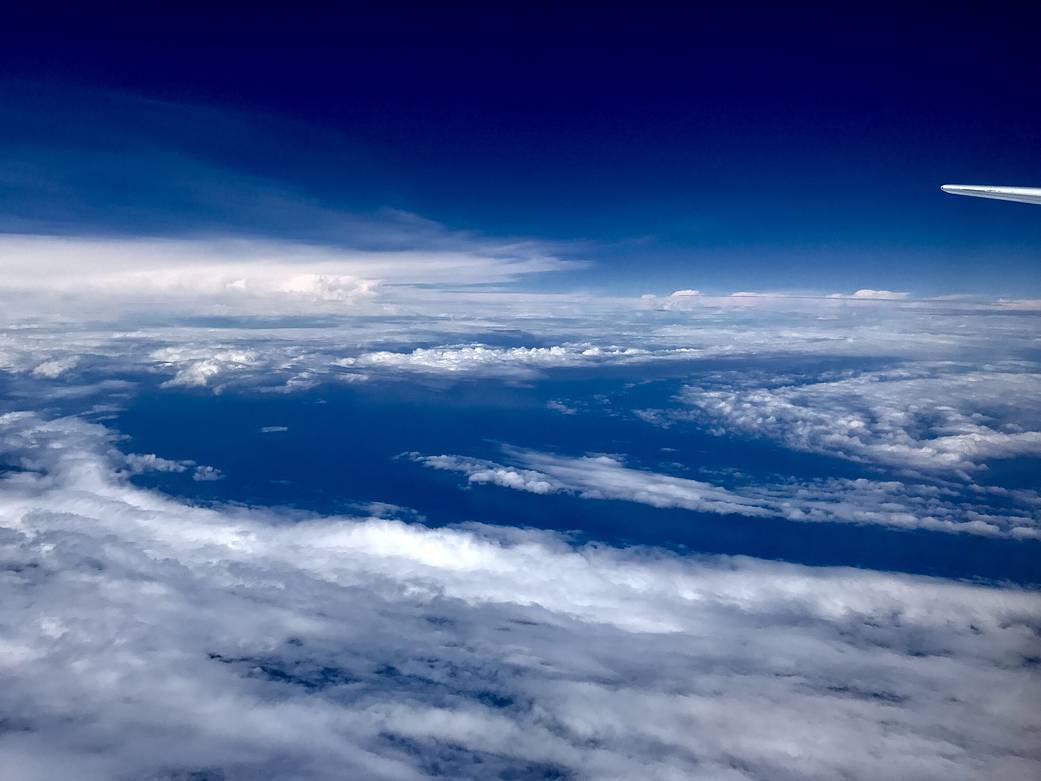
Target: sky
pixel 519 392
pixel 727 148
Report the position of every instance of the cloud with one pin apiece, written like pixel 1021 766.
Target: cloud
pixel 139 463
pixel 406 331
pixel 55 368
pixel 597 477
pixel 862 294
pixel 930 418
pixel 146 638
pixel 685 293
pixel 197 367
pixel 485 360
pixel 836 500
pixel 482 471
pixel 244 275
pixel 561 407
pixel 1020 304
pixel 872 295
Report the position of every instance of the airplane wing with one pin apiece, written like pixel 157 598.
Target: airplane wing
pixel 1023 194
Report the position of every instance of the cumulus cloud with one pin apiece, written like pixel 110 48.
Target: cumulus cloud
pixel 146 638
pixel 199 366
pixel 479 359
pixel 872 295
pixel 283 353
pixel 206 474
pixel 561 407
pixel 139 463
pixel 483 471
pixel 947 418
pixel 55 368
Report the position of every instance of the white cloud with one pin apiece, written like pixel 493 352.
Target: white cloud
pixel 451 333
pixel 246 275
pixel 145 638
pixel 946 417
pixel 873 295
pixel 688 293
pixel 482 471
pixel 479 359
pixel 886 503
pixel 561 407
pixel 1020 304
pixel 55 368
pixel 198 366
pixel 597 477
pixel 139 463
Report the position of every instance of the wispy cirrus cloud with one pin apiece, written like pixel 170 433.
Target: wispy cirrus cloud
pixel 246 275
pixel 897 504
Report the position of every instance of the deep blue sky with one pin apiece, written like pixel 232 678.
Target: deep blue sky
pixel 722 148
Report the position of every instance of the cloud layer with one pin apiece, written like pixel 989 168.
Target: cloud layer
pixel 145 638
pixel 250 276
pixel 923 417
pixel 889 503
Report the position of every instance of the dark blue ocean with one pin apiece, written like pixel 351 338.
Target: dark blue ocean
pixel 342 448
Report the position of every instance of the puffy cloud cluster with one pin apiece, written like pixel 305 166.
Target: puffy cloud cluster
pixel 54 368
pixel 484 360
pixel 928 418
pixel 196 367
pixel 138 463
pixel 452 333
pixel 146 638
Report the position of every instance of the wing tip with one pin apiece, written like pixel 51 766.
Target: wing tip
pixel 997 192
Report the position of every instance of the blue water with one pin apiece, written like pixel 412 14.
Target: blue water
pixel 341 451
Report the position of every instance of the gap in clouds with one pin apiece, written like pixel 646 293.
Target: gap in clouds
pixel 343 448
